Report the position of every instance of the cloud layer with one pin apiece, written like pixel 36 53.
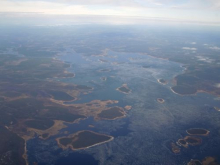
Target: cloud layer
pixel 196 10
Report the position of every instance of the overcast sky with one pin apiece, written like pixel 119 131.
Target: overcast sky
pixel 192 10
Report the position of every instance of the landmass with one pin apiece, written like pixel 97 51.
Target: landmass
pixel 128 107
pixel 83 140
pixel 12 147
pixel 189 140
pixel 172 147
pixel 175 148
pixel 194 162
pixel 160 100
pixel 41 124
pixel 34 103
pixel 207 161
pixel 198 131
pixel 112 113
pixel 25 98
pixel 197 79
pixel 124 89
pixel 200 73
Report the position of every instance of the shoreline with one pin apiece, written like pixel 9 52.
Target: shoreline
pixel 182 94
pixel 25 156
pixel 165 83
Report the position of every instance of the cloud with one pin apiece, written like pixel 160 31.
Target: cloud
pixel 188 48
pixel 205 59
pixel 215 4
pixel 217 85
pixel 183 10
pixel 63 8
pixel 132 3
pixel 214 48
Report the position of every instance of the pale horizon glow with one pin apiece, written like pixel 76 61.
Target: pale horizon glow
pixel 190 10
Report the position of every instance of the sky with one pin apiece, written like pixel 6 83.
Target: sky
pixel 183 10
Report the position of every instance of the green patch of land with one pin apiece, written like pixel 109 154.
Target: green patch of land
pixel 12 147
pixel 207 161
pixel 124 89
pixel 194 162
pixel 39 124
pixel 175 149
pixel 193 140
pixel 45 135
pixel 112 113
pixel 65 141
pixel 197 131
pixel 60 95
pixel 189 140
pixel 83 139
pixel 202 78
pixel 61 113
pixel 182 142
pixel 27 85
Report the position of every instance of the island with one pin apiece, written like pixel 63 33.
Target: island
pixel 182 142
pixel 112 113
pixel 206 161
pixel 194 162
pixel 198 78
pixel 198 131
pixel 128 107
pixel 193 140
pixel 82 140
pixel 189 140
pixel 160 100
pixel 175 148
pixel 124 89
